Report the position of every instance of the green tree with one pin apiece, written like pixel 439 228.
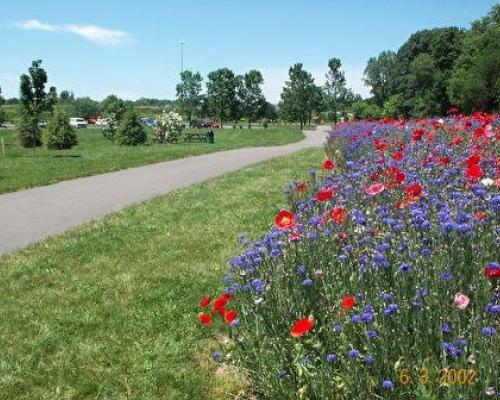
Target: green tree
pixel 60 134
pixel 250 94
pixel 84 107
pixel 442 46
pixel 379 75
pixel 297 95
pixel 390 106
pixel 65 96
pixel 189 93
pixel 34 101
pixel 335 91
pixel 221 94
pixel 131 132
pixel 475 81
pixel 112 104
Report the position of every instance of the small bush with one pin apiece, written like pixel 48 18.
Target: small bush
pixel 131 132
pixel 60 134
pixel 265 122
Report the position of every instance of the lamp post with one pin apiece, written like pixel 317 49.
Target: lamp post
pixel 181 43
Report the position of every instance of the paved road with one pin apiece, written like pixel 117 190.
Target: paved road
pixel 29 216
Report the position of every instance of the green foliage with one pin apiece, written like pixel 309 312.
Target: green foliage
pixel 390 106
pixel 366 109
pixel 114 105
pixel 380 75
pixel 110 128
pixel 335 92
pixel 60 134
pixel 66 96
pixel 189 93
pixel 298 96
pixel 34 101
pixel 221 94
pixel 475 82
pixel 84 107
pixel 251 98
pixel 131 132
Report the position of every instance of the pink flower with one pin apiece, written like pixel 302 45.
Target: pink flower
pixel 375 189
pixel 461 301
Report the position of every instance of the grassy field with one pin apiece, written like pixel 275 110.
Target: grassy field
pixel 94 154
pixel 109 311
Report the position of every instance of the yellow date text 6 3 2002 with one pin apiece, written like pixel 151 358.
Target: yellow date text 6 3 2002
pixel 446 376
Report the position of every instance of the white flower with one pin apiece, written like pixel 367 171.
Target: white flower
pixel 487 182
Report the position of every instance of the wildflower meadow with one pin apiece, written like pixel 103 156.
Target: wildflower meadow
pixel 380 279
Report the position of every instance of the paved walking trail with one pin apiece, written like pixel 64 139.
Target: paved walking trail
pixel 31 215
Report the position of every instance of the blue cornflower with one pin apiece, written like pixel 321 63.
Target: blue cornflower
pixel 307 282
pixel 353 354
pixel 489 331
pixel 337 328
pixel 461 343
pixel 445 327
pixel 387 296
pixel 371 334
pixel 387 384
pixel 368 360
pixel 367 317
pixel 217 356
pixel 301 269
pixel 405 268
pixel 391 309
pixel 331 358
pixel 307 360
pixel 446 276
pixel 280 375
pixel 426 252
pixel 356 319
pixel 422 291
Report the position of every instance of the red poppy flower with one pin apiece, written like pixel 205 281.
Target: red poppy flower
pixel 398 155
pixel 205 301
pixel 324 194
pixel 338 215
pixel 328 165
pixel 492 272
pixel 474 172
pixel 348 302
pixel 302 327
pixel 220 303
pixel 375 189
pixel 374 176
pixel 480 215
pixel 453 110
pixel 285 219
pixel 205 319
pixel 301 187
pixel 379 144
pixel 230 316
pixel 444 160
pixel 342 236
pixel 473 160
pixel 414 190
pixel 417 134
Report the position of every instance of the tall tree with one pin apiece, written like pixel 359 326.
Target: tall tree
pixel 475 81
pixel 65 96
pixel 34 101
pixel 335 88
pixel 252 101
pixel 379 75
pixel 297 94
pixel 112 104
pixel 221 94
pixel 189 93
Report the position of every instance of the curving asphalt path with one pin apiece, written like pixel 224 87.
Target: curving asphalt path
pixel 29 216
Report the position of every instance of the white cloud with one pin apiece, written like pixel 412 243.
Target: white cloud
pixel 92 33
pixel 274 80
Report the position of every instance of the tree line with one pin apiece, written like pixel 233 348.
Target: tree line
pixel 436 69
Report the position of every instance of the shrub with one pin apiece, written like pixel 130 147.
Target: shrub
pixel 380 276
pixel 131 132
pixel 265 122
pixel 60 134
pixel 110 128
pixel 169 126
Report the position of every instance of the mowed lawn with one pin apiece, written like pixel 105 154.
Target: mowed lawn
pixel 94 154
pixel 109 310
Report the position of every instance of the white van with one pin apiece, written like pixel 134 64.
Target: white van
pixel 78 122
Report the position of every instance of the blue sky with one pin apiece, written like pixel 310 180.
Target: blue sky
pixel 131 48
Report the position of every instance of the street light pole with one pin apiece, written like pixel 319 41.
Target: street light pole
pixel 182 55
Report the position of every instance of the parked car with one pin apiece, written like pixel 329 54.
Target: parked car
pixel 102 122
pixel 203 123
pixel 151 122
pixel 77 122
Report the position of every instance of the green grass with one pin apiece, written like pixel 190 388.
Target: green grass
pixel 19 168
pixel 109 310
